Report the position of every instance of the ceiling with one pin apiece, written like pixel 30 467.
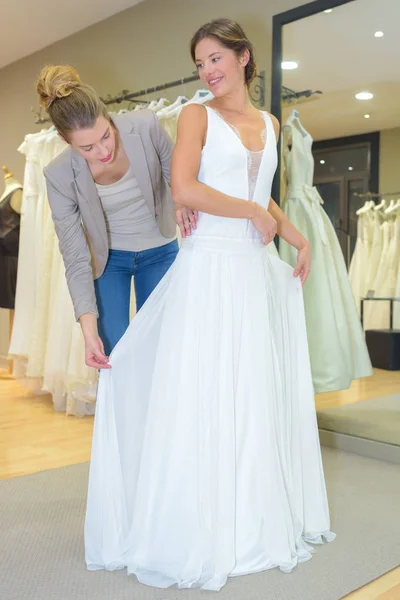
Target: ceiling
pixel 39 23
pixel 339 55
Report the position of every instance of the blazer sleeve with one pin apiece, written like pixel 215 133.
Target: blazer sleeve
pixel 73 247
pixel 163 145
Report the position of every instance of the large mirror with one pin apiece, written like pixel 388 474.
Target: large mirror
pixel 336 85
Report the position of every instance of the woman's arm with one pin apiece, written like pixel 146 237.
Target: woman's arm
pixel 285 229
pixel 78 267
pixel 187 190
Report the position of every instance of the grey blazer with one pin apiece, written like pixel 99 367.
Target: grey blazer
pixel 76 209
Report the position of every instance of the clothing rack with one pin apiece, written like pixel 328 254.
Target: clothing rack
pixel 375 195
pixel 289 94
pixel 127 96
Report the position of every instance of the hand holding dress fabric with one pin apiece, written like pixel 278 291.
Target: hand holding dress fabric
pixel 94 354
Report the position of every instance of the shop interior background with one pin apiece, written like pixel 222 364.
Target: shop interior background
pixel 136 44
pixel 322 63
pixel 339 53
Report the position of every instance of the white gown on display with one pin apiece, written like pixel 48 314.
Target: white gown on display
pixel 378 313
pixel 206 460
pixel 396 305
pixel 338 351
pixel 25 292
pixel 47 344
pixel 374 223
pixel 358 271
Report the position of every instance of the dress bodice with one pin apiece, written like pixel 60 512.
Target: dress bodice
pixel 229 167
pixel 299 160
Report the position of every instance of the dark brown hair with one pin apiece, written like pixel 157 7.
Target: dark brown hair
pixel 230 35
pixel 71 104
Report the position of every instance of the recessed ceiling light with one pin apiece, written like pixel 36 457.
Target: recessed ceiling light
pixel 322 162
pixel 350 168
pixel 379 34
pixel 328 10
pixel 289 65
pixel 367 116
pixel 364 96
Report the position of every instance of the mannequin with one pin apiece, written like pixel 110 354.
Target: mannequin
pixel 293 121
pixel 10 230
pixel 12 185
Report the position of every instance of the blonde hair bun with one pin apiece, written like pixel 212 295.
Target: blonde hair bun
pixel 56 81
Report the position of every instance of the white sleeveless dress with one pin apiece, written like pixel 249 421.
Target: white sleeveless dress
pixel 206 460
pixel 338 350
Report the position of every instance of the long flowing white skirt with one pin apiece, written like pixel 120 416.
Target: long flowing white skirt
pixel 206 460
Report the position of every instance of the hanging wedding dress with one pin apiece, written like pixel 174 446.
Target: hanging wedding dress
pixel 378 313
pixel 376 248
pixel 28 259
pixel 206 460
pixel 338 351
pixel 358 270
pixel 47 344
pixel 396 305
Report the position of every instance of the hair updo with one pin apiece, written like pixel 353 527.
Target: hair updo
pixel 230 35
pixel 70 104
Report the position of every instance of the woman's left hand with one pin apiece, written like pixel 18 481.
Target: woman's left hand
pixel 303 266
pixel 186 219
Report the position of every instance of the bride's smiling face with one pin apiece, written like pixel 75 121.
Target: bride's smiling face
pixel 219 68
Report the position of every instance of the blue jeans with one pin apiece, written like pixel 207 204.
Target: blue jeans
pixel 113 288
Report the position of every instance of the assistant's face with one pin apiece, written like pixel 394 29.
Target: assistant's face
pixel 95 144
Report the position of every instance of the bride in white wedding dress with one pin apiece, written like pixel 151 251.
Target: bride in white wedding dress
pixel 206 460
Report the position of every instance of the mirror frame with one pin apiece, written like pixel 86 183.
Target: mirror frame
pixel 279 20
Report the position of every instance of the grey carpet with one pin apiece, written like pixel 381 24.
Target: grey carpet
pixel 377 419
pixel 41 543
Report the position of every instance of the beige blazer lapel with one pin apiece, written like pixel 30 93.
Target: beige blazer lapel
pixel 87 191
pixel 137 157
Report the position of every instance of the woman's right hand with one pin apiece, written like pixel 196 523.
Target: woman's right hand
pixel 94 348
pixel 94 353
pixel 265 223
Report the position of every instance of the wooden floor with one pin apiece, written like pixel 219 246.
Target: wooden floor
pixel 34 438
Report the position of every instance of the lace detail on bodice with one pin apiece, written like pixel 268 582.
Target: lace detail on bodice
pixel 253 166
pixel 253 158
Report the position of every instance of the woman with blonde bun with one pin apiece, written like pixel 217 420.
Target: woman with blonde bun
pixel 111 206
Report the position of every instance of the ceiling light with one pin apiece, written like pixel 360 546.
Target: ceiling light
pixel 350 168
pixel 289 65
pixel 379 34
pixel 328 10
pixel 364 96
pixel 367 116
pixel 322 162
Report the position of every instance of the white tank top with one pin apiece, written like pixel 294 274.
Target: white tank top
pixel 130 224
